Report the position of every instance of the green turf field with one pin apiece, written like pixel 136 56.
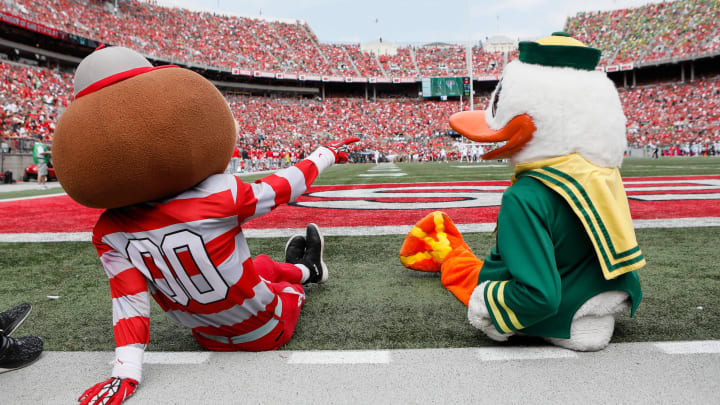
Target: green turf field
pixel 463 171
pixel 370 300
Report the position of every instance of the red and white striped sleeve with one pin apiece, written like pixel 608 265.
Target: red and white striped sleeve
pixel 131 311
pixel 261 197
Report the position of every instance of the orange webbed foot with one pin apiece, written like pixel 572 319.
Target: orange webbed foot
pixel 429 242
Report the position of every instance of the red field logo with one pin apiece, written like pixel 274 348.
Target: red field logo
pixel 472 202
pixel 432 196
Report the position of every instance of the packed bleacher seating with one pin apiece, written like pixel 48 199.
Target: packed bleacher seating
pixel 674 116
pixel 669 115
pixel 656 31
pixel 400 64
pixel 673 113
pixel 441 60
pixel 490 63
pixel 31 99
pixel 339 60
pixel 394 126
pixel 653 32
pixel 237 42
pixel 367 63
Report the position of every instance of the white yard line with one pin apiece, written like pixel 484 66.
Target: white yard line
pixel 33 197
pixel 483 354
pixel 169 358
pixel 523 353
pixel 340 357
pixel 691 347
pixel 676 222
pixel 383 170
pixel 355 230
pixel 382 174
pixel 47 237
pixel 176 358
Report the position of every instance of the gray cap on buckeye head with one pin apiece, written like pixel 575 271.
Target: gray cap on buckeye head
pixel 106 62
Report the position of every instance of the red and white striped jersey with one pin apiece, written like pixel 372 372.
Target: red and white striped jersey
pixel 190 254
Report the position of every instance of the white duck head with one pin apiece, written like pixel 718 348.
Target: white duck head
pixel 549 103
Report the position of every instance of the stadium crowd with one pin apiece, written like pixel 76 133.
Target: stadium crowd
pixel 398 127
pixel 674 115
pixel 676 118
pixel 671 116
pixel 31 99
pixel 655 31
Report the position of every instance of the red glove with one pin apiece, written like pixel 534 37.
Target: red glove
pixel 112 391
pixel 339 148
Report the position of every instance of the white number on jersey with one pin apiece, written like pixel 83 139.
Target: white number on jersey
pixel 180 285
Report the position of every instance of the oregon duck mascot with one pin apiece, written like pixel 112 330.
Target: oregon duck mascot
pixel 564 261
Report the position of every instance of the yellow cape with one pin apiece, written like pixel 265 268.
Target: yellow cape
pixel 597 196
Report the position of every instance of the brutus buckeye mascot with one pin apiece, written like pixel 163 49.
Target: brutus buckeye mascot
pixel 150 144
pixel 564 261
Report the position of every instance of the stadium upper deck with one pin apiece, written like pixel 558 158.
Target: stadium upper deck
pixel 652 33
pixel 655 32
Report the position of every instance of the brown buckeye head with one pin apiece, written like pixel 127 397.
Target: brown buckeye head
pixel 136 133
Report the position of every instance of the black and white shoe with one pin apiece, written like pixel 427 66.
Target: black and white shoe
pixel 14 317
pixel 295 249
pixel 19 352
pixel 313 259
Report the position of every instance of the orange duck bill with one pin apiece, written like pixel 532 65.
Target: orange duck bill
pixel 472 125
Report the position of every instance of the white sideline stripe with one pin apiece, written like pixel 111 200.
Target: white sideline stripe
pixel 385 356
pixel 47 237
pixel 176 357
pixel 524 353
pixel 676 222
pixel 664 197
pixel 690 347
pixel 479 166
pixel 171 358
pixel 382 175
pixel 340 357
pixel 33 197
pixel 354 230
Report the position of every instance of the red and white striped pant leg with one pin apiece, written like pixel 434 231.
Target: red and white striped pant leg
pixel 293 299
pixel 275 272
pixel 285 280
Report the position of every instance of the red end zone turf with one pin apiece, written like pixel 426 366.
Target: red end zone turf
pixel 389 205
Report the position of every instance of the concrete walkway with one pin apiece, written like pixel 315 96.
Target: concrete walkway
pixel 632 373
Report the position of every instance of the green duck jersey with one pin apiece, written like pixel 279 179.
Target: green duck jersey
pixel 543 267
